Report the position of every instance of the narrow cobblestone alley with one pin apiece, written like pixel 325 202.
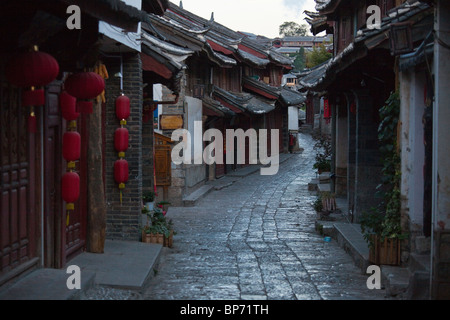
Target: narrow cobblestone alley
pixel 256 240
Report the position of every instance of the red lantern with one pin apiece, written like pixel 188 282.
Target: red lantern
pixel 70 188
pixel 71 146
pixel 121 174
pixel 122 107
pixel 85 86
pixel 121 171
pixel 32 69
pixel 326 109
pixel 121 140
pixel 68 106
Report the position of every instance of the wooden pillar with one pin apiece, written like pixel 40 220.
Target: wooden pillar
pixel 96 228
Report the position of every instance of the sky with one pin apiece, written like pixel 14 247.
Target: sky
pixel 261 17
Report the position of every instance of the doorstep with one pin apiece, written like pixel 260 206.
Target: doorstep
pixel 47 284
pixel 123 265
pixel 395 279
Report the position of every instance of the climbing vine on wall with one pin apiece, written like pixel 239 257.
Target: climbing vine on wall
pixel 385 220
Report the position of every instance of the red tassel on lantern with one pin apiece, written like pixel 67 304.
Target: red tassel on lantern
pixel 31 122
pixel 33 98
pixel 121 141
pixel 71 146
pixel 68 106
pixel 70 189
pixel 121 174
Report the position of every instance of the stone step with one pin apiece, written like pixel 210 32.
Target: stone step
pixel 396 280
pixel 47 284
pixel 191 199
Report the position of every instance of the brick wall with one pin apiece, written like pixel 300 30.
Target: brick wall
pixel 123 220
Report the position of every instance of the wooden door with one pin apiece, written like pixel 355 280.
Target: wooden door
pixel 53 169
pixel 163 171
pixel 18 215
pixel 61 240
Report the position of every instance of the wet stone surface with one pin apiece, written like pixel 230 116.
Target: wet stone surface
pixel 256 240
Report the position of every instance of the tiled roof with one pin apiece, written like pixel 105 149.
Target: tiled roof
pixel 318 78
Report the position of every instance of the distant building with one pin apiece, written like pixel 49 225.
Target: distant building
pixel 291 45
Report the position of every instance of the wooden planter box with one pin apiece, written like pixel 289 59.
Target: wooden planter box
pixel 168 241
pixel 153 238
pixel 385 252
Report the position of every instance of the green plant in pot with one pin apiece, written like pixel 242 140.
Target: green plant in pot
pixel 323 153
pixel 159 223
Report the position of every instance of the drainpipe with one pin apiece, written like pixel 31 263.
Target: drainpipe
pixel 42 188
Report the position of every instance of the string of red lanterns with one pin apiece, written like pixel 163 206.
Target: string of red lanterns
pixel 121 137
pixel 80 88
pixel 71 152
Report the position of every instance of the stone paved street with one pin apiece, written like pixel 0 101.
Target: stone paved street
pixel 256 240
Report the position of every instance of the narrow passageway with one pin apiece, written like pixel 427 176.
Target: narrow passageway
pixel 256 240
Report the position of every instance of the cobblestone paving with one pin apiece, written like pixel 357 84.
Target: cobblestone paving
pixel 256 240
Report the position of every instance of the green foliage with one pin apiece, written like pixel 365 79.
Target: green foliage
pixel 148 196
pixel 317 56
pixel 300 60
pixel 385 220
pixel 158 223
pixel 292 29
pixel 318 204
pixel 323 153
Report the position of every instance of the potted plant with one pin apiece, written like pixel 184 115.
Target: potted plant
pixel 323 154
pixel 322 164
pixel 159 229
pixel 148 199
pixel 381 227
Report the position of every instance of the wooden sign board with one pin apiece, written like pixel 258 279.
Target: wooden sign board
pixel 171 121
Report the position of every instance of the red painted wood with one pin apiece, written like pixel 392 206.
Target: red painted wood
pixel 18 221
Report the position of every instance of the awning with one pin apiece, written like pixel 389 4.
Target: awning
pixel 243 102
pixel 261 88
pixel 291 97
pixel 215 108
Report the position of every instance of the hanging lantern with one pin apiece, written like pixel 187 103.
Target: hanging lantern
pixel 84 86
pixel 71 147
pixel 122 108
pixel 68 106
pixel 30 70
pixel 121 174
pixel 121 141
pixel 70 189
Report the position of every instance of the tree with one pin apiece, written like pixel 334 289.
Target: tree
pixel 300 60
pixel 291 29
pixel 317 56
